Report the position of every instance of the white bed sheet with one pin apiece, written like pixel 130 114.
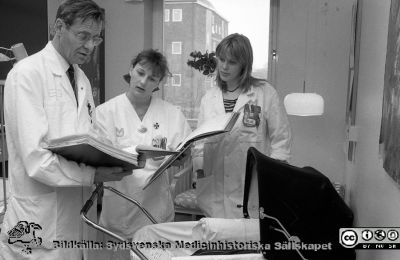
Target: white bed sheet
pixel 178 240
pixel 221 257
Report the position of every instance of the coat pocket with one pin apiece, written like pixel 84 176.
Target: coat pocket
pixel 61 117
pixel 32 220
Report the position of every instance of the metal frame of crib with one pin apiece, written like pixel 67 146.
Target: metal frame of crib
pixel 89 203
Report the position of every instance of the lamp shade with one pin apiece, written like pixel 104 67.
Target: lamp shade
pixel 4 57
pixel 19 51
pixel 304 104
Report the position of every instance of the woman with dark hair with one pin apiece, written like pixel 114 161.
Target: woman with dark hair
pixel 220 161
pixel 133 118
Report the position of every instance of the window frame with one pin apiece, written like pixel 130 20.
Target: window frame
pixel 173 83
pixel 179 14
pixel 166 14
pixel 180 47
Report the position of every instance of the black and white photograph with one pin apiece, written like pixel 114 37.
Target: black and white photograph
pixel 199 129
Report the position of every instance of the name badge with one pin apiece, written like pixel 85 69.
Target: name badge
pixel 251 115
pixel 159 142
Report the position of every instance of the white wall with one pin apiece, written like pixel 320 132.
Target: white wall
pixel 375 198
pixel 124 32
pixel 318 141
pixel 130 27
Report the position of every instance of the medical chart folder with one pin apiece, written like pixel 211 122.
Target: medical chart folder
pixel 217 125
pixel 91 151
pixel 152 152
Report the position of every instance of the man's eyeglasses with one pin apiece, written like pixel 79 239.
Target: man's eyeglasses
pixel 85 37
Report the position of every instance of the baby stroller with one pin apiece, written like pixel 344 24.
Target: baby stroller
pixel 293 202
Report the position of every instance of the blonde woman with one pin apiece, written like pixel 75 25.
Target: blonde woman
pixel 220 161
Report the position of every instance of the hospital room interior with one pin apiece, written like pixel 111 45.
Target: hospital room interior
pixel 334 55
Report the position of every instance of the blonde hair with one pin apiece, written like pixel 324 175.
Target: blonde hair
pixel 239 48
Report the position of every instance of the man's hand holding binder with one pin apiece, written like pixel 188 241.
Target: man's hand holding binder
pixel 93 151
pixel 104 174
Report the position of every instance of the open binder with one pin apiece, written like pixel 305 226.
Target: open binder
pixel 217 125
pixel 91 151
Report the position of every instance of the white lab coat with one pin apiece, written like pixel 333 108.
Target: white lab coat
pixel 46 189
pixel 162 120
pixel 223 157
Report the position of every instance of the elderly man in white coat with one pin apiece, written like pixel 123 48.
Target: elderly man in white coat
pixel 48 191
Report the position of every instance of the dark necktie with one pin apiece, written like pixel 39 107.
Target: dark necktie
pixel 71 76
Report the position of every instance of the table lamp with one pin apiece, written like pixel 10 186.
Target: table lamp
pixel 304 104
pixel 18 50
